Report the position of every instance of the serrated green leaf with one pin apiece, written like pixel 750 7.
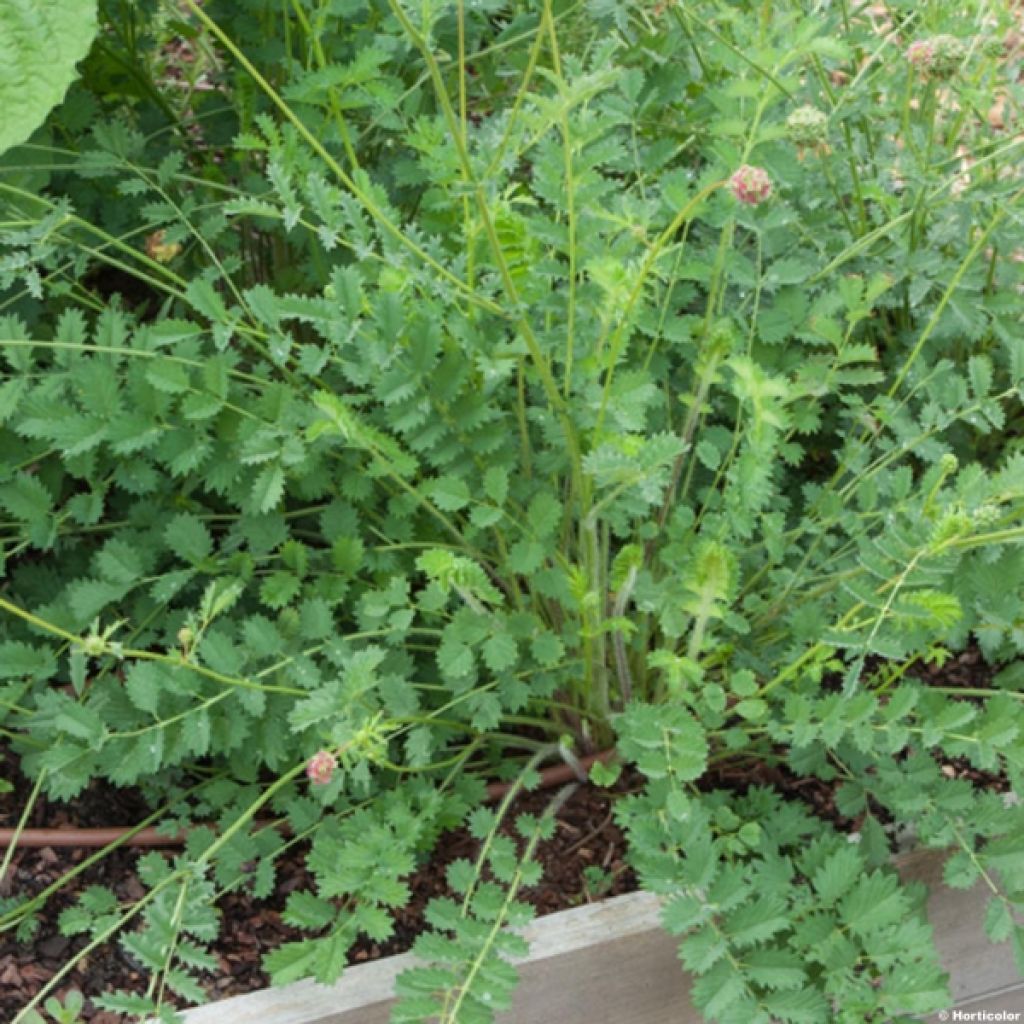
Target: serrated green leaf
pixel 500 652
pixel 304 910
pixel 291 961
pixel 662 741
pixel 998 919
pixel 347 555
pixel 876 900
pixel 544 514
pixel 268 488
pixel 144 683
pixel 20 660
pixel 119 561
pixel 834 878
pixel 279 589
pixel 547 648
pixel 496 484
pixel 168 375
pixel 80 721
pixel 45 41
pixel 26 498
pixel 449 493
pixel 187 536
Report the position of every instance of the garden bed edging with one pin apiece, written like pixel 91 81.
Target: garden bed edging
pixel 612 963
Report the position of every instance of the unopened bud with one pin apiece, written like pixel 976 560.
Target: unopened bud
pixel 937 57
pixel 807 126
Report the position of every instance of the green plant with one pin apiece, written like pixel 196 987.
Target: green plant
pixel 66 1013
pixel 515 371
pixel 597 882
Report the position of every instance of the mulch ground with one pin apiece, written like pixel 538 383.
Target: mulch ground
pixel 586 836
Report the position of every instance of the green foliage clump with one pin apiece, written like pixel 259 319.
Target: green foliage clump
pixel 438 390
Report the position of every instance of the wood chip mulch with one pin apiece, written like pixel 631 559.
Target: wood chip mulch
pixel 585 835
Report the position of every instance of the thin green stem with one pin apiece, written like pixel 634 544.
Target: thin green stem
pixel 570 200
pixel 618 337
pixel 26 813
pixel 361 194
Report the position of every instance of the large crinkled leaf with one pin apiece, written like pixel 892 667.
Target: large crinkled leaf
pixel 41 41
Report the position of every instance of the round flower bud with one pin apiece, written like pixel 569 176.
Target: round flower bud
pixel 938 57
pixel 320 767
pixel 948 54
pixel 807 126
pixel 751 185
pixel 954 523
pixel 949 464
pixel 919 54
pixel 94 645
pixel 993 47
pixel 987 515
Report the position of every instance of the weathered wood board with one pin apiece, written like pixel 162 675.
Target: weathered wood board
pixel 983 976
pixel 610 963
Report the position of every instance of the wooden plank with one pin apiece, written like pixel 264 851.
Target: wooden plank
pixel 1010 1001
pixel 611 963
pixel 600 963
pixel 608 963
pixel 977 968
pixel 363 996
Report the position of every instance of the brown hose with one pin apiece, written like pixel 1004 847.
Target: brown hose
pixel 34 838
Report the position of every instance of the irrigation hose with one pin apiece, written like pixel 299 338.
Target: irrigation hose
pixel 87 838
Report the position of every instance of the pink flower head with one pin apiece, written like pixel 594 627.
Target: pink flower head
pixel 938 57
pixel 919 53
pixel 320 767
pixel 751 185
